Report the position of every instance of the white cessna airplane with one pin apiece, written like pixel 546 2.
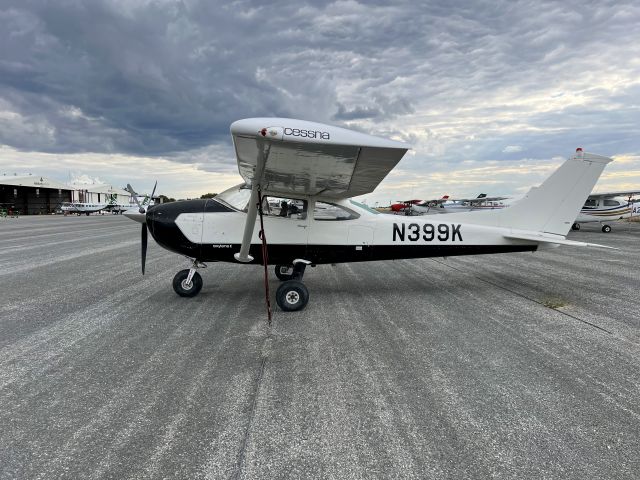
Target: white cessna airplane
pixel 607 207
pixel 321 167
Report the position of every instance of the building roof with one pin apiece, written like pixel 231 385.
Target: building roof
pixel 104 188
pixel 33 181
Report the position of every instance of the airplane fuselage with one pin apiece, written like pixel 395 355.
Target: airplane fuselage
pixel 78 207
pixel 208 230
pixel 608 209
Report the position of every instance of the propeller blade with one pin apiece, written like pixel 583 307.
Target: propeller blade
pixel 153 192
pixel 143 244
pixel 135 197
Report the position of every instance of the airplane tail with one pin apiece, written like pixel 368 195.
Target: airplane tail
pixel 553 206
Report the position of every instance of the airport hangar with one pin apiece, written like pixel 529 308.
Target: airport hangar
pixel 31 194
pixel 34 195
pixel 102 193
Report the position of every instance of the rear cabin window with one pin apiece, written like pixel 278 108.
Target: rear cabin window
pixel 611 203
pixel 331 212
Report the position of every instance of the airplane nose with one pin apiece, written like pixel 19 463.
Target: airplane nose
pixel 162 222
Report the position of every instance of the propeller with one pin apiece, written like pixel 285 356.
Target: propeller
pixel 135 197
pixel 154 191
pixel 143 233
pixel 143 244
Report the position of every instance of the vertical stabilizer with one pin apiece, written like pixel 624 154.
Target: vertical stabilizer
pixel 553 206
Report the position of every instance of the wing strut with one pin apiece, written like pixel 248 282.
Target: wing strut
pixel 252 210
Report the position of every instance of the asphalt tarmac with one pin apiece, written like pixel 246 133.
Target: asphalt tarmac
pixel 502 366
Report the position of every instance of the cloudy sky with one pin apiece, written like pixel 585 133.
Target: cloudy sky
pixel 490 94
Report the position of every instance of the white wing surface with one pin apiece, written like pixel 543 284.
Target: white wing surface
pixel 623 193
pixel 312 158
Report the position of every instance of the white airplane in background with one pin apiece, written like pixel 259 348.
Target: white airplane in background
pixel 450 205
pixel 606 207
pixel 81 207
pixel 143 200
pixel 322 167
pixel 480 203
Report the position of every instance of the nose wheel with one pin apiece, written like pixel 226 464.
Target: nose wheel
pixel 188 282
pixel 186 287
pixel 606 228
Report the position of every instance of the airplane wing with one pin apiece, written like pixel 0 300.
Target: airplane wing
pixel 311 158
pixel 624 193
pixel 478 199
pixel 434 201
pixel 295 157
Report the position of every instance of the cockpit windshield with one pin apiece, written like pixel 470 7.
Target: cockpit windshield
pixel 236 197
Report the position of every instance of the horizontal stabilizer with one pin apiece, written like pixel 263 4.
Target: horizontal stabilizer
pixel 556 239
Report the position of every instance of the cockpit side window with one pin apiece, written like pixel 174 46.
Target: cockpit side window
pixel 284 207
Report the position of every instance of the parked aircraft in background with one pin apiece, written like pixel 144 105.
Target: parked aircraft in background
pixel 417 207
pixel 142 200
pixel 80 207
pixel 449 205
pixel 138 211
pixel 607 207
pixel 322 167
pixel 111 205
pixel 480 203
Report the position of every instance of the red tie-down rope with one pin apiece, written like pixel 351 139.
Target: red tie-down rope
pixel 265 257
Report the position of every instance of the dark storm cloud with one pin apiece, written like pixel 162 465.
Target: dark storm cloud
pixel 168 77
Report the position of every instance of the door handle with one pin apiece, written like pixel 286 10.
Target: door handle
pixel 303 226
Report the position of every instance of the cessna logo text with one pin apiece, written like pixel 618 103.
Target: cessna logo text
pixel 428 232
pixel 297 132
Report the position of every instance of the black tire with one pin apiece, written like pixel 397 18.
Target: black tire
pixel 606 228
pixel 292 296
pixel 575 226
pixel 281 272
pixel 187 290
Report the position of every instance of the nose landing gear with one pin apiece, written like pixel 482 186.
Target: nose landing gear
pixel 188 282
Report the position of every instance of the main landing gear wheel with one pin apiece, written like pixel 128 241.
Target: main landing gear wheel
pixel 185 289
pixel 284 272
pixel 292 296
pixel 606 228
pixel 575 226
